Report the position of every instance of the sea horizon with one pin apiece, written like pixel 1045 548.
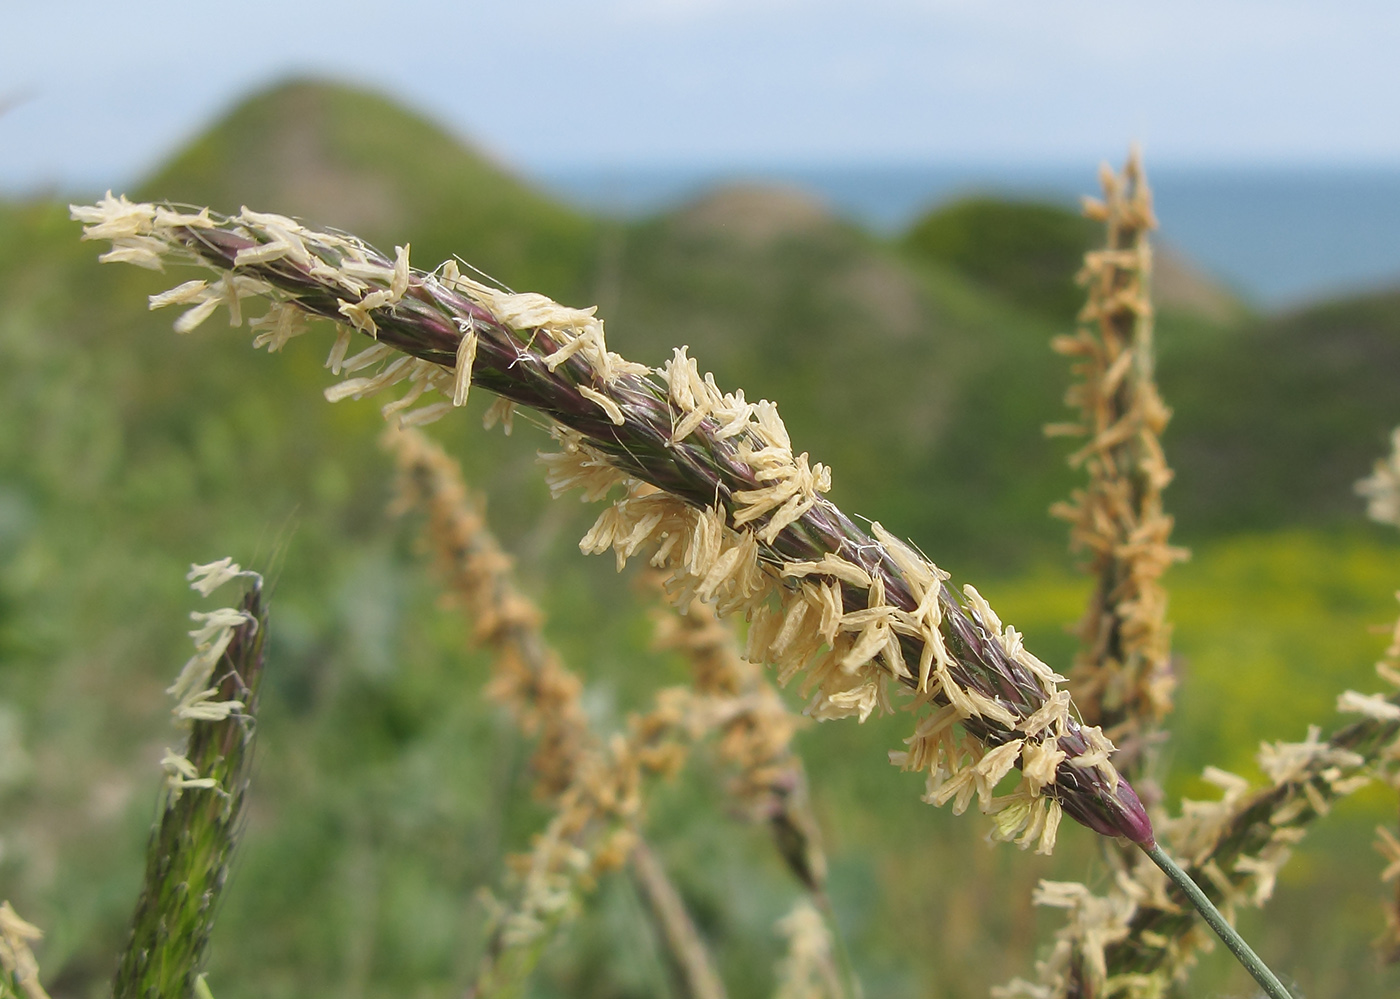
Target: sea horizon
pixel 1279 236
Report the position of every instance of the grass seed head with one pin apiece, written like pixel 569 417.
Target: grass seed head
pixel 712 493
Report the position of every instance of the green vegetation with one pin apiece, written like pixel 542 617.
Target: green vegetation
pixel 919 370
pixel 1028 253
pixel 355 160
pixel 1276 421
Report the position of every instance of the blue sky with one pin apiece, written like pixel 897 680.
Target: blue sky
pixel 96 93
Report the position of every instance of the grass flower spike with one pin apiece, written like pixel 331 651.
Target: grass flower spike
pixel 808 971
pixel 206 784
pixel 1382 487
pixel 19 971
pixel 708 487
pixel 1122 678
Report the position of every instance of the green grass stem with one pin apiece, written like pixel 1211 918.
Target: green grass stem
pixel 1255 965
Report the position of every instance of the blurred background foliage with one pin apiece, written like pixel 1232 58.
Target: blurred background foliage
pixel 388 791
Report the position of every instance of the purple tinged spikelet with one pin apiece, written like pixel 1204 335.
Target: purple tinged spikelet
pixel 712 493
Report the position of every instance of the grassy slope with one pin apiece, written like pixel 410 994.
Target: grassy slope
pixel 1027 251
pixel 1276 424
pixel 1276 416
pixel 344 157
pixel 142 451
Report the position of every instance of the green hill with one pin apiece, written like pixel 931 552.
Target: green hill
pixel 1029 252
pixel 1277 421
pixel 349 158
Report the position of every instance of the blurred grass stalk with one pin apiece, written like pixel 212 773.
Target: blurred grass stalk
pixel 527 674
pixel 188 856
pixel 572 767
pixel 808 971
pixel 1381 490
pixel 688 958
pixel 769 781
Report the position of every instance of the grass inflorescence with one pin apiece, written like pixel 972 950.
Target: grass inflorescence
pixel 712 490
pixel 203 799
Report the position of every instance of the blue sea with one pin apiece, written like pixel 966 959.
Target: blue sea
pixel 1277 236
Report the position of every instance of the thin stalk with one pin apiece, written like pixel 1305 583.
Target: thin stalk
pixel 688 959
pixel 843 953
pixel 1255 965
pixel 1265 825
